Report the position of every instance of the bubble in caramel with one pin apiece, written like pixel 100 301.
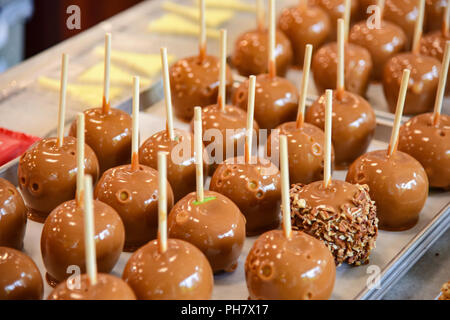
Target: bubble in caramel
pixel 47 175
pixel 13 216
pixel 216 226
pixel 300 268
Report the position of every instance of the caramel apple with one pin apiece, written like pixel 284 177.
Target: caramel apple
pixel 303 25
pixel 353 124
pixel 13 216
pixel 62 245
pixel 182 272
pixel 216 226
pixel 300 268
pixel 47 174
pixel 107 287
pixel 434 11
pixel 20 277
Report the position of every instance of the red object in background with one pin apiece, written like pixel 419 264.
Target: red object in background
pixel 13 144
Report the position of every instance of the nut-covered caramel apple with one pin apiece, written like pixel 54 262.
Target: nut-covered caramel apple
pixel 275 101
pixel 180 163
pixel 182 272
pixel 47 174
pixel 134 195
pixel 430 145
pixel 342 215
pixel 251 53
pixel 382 43
pixel 13 216
pixel 216 226
pixel 305 151
pixel 299 268
pixel 20 277
pixel 353 124
pixel 108 134
pixel 358 67
pixel 107 287
pixel 254 186
pixel 398 184
pixel 194 81
pixel 422 84
pixel 62 237
pixel 304 25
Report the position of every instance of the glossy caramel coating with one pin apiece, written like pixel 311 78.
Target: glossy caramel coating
pixel 335 10
pixel 276 100
pixel 382 43
pixel 433 45
pixel 216 227
pixel 430 145
pixel 357 65
pixel 20 278
pixel 299 268
pixel 353 124
pixel 62 239
pixel 48 173
pixel 107 287
pixel 255 187
pixel 182 272
pixel 109 135
pixel 434 14
pixel 305 151
pixel 422 86
pixel 342 215
pixel 403 13
pixel 195 83
pixel 13 216
pixel 398 185
pixel 302 27
pixel 180 162
pixel 251 54
pixel 231 118
pixel 134 195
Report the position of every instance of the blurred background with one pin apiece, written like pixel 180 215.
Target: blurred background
pixel 28 27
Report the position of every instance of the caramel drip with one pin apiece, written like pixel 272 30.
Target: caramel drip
pixel 105 106
pixel 300 120
pixel 202 53
pixel 135 161
pixel 272 69
pixel 80 199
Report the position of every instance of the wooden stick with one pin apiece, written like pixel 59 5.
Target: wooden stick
pixel 446 22
pixel 202 44
pixel 106 78
pixel 399 112
pixel 328 128
pixel 62 99
pixel 272 58
pixel 304 86
pixel 442 85
pixel 418 30
pixel 347 16
pixel 380 5
pixel 80 159
pixel 198 146
pixel 135 126
pixel 341 57
pixel 167 93
pixel 250 115
pixel 162 201
pixel 89 232
pixel 285 200
pixel 221 98
pixel 260 14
